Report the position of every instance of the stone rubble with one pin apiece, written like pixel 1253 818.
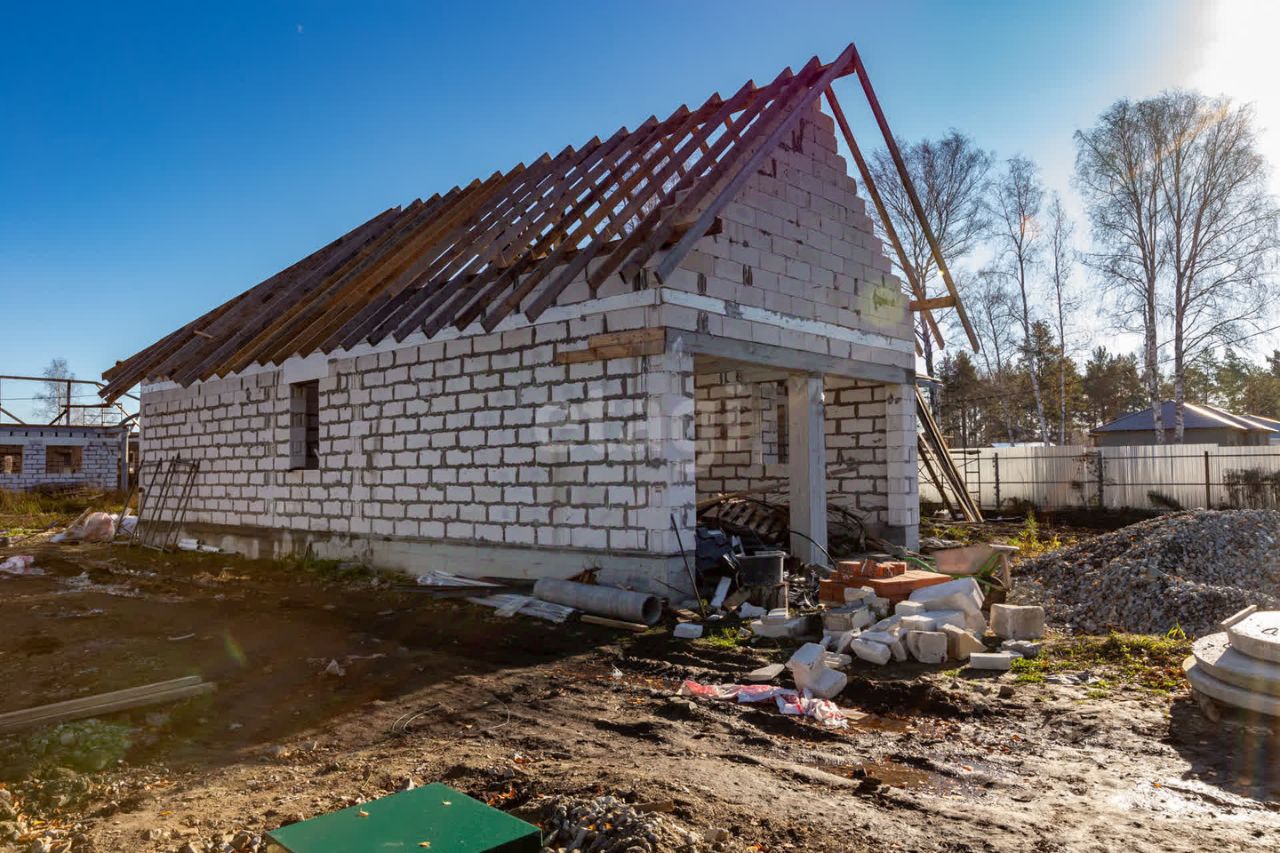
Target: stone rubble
pixel 1183 570
pixel 608 825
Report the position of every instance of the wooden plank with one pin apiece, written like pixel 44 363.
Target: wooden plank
pixel 103 703
pixel 913 280
pixel 932 303
pixel 638 627
pixel 605 353
pixel 785 358
pixel 892 144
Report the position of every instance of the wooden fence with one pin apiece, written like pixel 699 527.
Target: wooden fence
pixel 1148 477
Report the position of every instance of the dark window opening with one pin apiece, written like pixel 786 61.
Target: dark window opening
pixel 304 425
pixel 784 436
pixel 10 458
pixel 63 459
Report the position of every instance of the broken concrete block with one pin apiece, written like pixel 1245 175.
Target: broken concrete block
pixel 1025 648
pixel 822 682
pixel 832 660
pixel 947 617
pixel 1017 622
pixel 877 653
pixel 885 638
pixel 918 623
pixel 908 608
pixel 847 618
pixel 776 616
pixel 722 590
pixel 764 673
pixel 927 646
pixel 889 625
pixel 840 642
pixel 795 627
pixel 687 631
pixel 960 594
pixel 898 649
pixel 991 660
pixel 960 643
pixel 808 656
pixel 861 593
pixel 751 611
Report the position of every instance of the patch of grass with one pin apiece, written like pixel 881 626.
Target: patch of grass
pixel 1151 662
pixel 339 571
pixel 723 638
pixel 23 512
pixel 1030 541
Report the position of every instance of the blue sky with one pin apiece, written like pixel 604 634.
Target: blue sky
pixel 156 160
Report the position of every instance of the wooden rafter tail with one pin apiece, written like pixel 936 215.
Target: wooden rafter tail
pixel 211 357
pixel 372 294
pixel 462 307
pixel 514 244
pixel 900 164
pixel 933 303
pixel 743 103
pixel 622 180
pixel 917 288
pixel 367 280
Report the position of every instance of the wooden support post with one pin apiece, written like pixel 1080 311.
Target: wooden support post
pixel 807 446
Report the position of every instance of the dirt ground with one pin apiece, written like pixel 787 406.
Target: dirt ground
pixel 511 709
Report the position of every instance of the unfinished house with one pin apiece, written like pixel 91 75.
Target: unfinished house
pixel 544 370
pixel 33 455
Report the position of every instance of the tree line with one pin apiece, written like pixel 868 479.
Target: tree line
pixel 1180 250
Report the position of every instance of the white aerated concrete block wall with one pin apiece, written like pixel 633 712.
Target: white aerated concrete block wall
pixel 737 441
pixel 482 439
pixel 99 460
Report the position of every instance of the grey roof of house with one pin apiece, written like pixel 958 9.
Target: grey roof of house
pixel 1194 416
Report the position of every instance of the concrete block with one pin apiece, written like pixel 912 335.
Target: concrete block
pixel 833 660
pixel 776 616
pixel 687 631
pixel 877 653
pixel 960 643
pixel 898 649
pixel 948 617
pixel 796 627
pixel 889 625
pixel 999 661
pixel 862 593
pixel 822 682
pixel 908 608
pixel 1024 648
pixel 764 673
pixel 847 618
pixel 918 623
pixel 960 594
pixel 927 646
pixel 807 657
pixel 886 638
pixel 1017 622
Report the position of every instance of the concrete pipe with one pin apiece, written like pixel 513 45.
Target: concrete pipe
pixel 601 600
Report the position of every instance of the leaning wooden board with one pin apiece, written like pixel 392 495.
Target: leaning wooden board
pixel 105 703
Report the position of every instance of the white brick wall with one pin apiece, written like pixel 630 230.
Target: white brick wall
pixel 100 456
pixel 736 443
pixel 484 439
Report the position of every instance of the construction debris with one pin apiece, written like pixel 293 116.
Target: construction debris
pixel 20 564
pixel 105 703
pixel 790 702
pixel 1183 570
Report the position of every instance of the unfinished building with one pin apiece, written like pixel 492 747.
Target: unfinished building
pixel 544 370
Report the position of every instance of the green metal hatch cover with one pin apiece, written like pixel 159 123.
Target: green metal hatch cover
pixel 433 818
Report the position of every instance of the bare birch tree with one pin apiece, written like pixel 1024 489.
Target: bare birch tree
pixel 1119 169
pixel 1016 204
pixel 1061 260
pixel 950 175
pixel 992 307
pixel 1219 230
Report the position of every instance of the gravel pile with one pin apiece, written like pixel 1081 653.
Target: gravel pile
pixel 1186 569
pixel 609 825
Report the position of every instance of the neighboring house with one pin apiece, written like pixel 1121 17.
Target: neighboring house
pixel 536 373
pixel 1202 424
pixel 42 455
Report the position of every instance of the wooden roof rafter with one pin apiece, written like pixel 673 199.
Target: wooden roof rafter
pixel 515 241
